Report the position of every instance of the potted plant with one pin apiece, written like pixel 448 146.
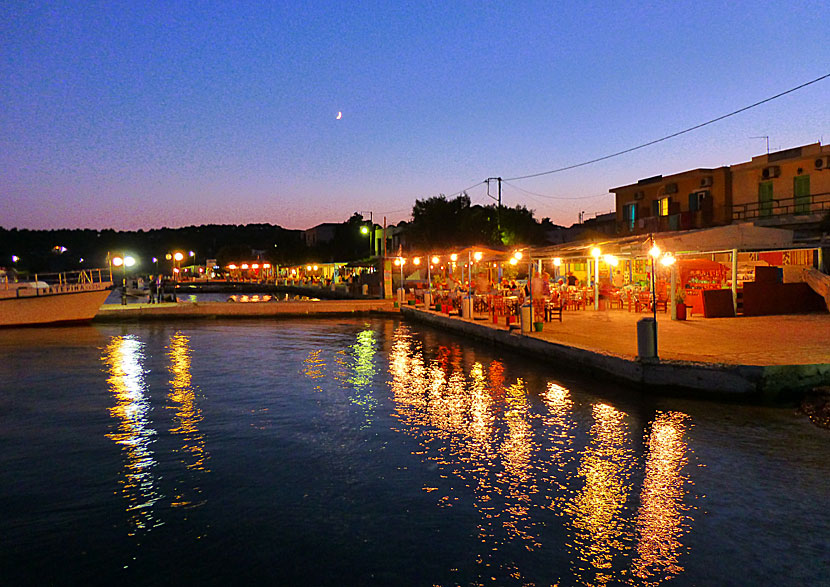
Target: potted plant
pixel 680 304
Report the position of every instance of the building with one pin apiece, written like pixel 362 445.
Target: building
pixel 320 234
pixel 698 198
pixel 785 189
pixel 789 188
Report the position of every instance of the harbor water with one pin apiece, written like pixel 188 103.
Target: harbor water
pixel 377 452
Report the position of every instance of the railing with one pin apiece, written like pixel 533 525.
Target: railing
pixel 803 205
pixel 53 283
pixel 680 221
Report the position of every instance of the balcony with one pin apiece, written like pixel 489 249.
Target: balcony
pixel 679 221
pixel 791 210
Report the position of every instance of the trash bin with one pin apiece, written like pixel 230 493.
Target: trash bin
pixel 365 289
pixel 427 300
pixel 401 295
pixel 526 318
pixel 466 308
pixel 646 339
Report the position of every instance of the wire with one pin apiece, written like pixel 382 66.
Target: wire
pixel 557 197
pixel 671 136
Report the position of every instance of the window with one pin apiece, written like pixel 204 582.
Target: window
pixel 765 201
pixel 697 200
pixel 630 215
pixel 663 205
pixel 801 193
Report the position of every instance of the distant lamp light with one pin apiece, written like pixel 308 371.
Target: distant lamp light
pixel 168 256
pixel 231 266
pixel 308 267
pixel 155 260
pixel 416 260
pixel 435 260
pixel 81 260
pixel 255 266
pixel 315 267
pixel 595 252
pixel 244 266
pixel 611 260
pixel 15 258
pixel 517 255
pixel 668 260
pixel 192 254
pixel 453 257
pixel 178 256
pixel 266 265
pixel 654 251
pixel 513 260
pixel 117 261
pixel 398 262
pixel 175 269
pixel 364 229
pixel 557 261
pixel 129 261
pixel 477 256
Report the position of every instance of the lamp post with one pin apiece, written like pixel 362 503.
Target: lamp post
pixel 369 230
pixel 595 253
pixel 123 261
pixel 654 252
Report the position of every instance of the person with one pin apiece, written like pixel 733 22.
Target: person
pixel 153 289
pixel 571 279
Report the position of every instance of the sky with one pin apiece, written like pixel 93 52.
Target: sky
pixel 141 115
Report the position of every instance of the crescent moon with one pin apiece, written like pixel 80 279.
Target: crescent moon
pixel 339 115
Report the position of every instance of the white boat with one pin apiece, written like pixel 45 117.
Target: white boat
pixel 65 298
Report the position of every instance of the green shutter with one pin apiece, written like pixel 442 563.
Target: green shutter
pixel 765 202
pixel 801 193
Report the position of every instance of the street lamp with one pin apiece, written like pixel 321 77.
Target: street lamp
pixel 654 252
pixel 370 231
pixel 123 262
pixel 595 253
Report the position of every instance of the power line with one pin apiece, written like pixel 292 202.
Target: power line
pixel 671 136
pixel 557 197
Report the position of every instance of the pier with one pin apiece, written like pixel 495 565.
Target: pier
pixel 774 357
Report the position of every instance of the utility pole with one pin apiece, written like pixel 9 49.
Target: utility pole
pixel 498 209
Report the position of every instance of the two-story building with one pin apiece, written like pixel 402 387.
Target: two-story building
pixel 789 188
pixel 697 198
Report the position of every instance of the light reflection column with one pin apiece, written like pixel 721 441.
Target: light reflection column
pixel 182 398
pixel 124 358
pixel 601 532
pixel 661 518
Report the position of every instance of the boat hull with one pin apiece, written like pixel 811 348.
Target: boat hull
pixel 41 308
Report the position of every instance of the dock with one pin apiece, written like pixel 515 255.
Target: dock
pixel 282 309
pixel 772 357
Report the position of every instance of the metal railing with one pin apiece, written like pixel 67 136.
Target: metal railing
pixel 54 283
pixel 796 206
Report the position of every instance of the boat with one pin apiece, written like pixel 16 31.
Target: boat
pixel 54 299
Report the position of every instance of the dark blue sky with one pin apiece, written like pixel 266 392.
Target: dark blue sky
pixel 142 115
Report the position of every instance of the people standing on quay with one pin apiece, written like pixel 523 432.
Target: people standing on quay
pixel 153 288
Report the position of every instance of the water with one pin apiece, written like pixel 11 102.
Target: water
pixel 376 452
pixel 115 297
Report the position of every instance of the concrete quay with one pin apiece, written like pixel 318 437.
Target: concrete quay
pixel 769 357
pixel 282 309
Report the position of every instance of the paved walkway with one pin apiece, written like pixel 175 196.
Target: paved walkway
pixel 761 340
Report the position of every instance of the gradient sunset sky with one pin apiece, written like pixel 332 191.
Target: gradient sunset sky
pixel 132 115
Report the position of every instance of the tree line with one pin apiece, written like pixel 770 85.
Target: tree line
pixel 437 222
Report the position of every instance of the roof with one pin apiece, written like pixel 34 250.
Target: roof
pixel 743 237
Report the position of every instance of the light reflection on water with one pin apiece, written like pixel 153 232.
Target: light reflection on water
pixel 124 356
pixel 519 462
pixel 352 451
pixel 188 416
